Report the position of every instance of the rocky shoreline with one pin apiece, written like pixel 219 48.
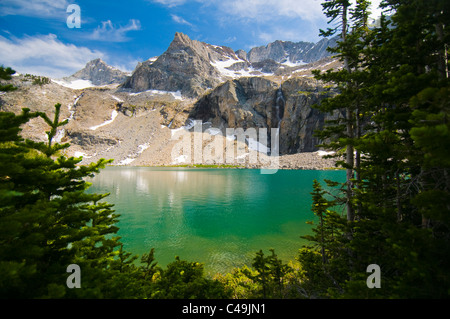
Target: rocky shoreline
pixel 300 161
pixel 307 161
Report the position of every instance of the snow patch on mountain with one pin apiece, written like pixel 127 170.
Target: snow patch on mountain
pixel 224 68
pixel 113 117
pixel 177 95
pixel 75 84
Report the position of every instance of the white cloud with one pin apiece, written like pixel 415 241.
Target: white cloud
pixel 35 8
pixel 170 3
pixel 268 10
pixel 180 20
pixel 45 55
pixel 260 10
pixel 268 18
pixel 110 33
pixel 230 39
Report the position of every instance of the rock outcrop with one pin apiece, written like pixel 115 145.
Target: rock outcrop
pixel 245 102
pixel 261 103
pixel 301 119
pixel 99 73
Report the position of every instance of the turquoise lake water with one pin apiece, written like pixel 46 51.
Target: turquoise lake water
pixel 219 217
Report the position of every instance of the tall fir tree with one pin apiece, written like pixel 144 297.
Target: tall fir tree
pixel 48 220
pixel 353 27
pixel 398 87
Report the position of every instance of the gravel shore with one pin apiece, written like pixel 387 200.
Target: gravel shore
pixel 162 153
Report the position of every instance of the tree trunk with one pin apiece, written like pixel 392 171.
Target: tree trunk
pixel 350 164
pixel 358 158
pixel 349 117
pixel 442 62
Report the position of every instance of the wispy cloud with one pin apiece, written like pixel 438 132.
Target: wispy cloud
pixel 269 19
pixel 230 39
pixel 292 32
pixel 268 10
pixel 34 8
pixel 170 3
pixel 181 20
pixel 109 33
pixel 45 55
pixel 259 10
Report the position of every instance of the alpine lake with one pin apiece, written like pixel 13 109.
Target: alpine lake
pixel 216 216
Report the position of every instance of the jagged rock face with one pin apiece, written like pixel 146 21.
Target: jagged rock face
pixel 273 51
pixel 294 52
pixel 244 102
pixel 99 73
pixel 258 102
pixel 241 54
pixel 185 66
pixel 300 119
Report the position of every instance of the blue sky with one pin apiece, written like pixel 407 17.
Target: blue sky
pixel 35 37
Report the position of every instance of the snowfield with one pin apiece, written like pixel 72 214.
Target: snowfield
pixel 76 85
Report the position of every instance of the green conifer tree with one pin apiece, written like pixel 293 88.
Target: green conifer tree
pixel 400 88
pixel 48 221
pixel 5 74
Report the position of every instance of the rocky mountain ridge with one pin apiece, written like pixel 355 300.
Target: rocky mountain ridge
pixel 193 67
pixel 292 53
pixel 134 121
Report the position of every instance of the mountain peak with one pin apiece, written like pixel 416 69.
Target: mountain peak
pixel 181 37
pixel 99 73
pixel 182 41
pixel 185 66
pixel 96 61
